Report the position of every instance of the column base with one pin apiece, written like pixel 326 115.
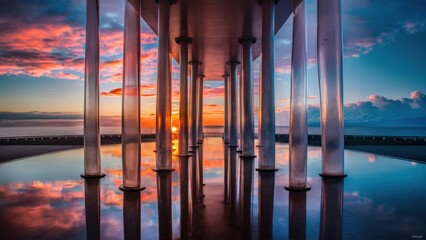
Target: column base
pixel 200 142
pixel 328 175
pixel 266 169
pixel 247 156
pixel 239 151
pixel 126 189
pixel 184 156
pixel 101 175
pixel 163 170
pixel 298 189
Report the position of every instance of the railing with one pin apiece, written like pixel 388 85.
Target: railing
pixel 116 138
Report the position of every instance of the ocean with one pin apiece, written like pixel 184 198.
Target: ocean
pixel 77 129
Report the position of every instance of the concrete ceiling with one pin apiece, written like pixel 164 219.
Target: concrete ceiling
pixel 215 26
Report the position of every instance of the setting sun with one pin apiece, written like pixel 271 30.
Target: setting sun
pixel 174 129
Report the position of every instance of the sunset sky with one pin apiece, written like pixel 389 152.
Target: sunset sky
pixel 42 63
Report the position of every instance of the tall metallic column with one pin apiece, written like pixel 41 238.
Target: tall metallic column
pixel 240 111
pixel 247 95
pixel 92 155
pixel 193 100
pixel 92 196
pixel 200 126
pixel 183 136
pixel 132 215
pixel 233 94
pixel 298 129
pixel 267 89
pixel 164 89
pixel 233 139
pixel 226 139
pixel 163 122
pixel 266 132
pixel 331 220
pixel 226 107
pixel 183 97
pixel 200 180
pixel 193 130
pixel 331 87
pixel 131 137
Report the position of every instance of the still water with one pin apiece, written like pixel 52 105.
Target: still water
pixel 44 197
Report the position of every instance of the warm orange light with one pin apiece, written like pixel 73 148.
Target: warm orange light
pixel 174 129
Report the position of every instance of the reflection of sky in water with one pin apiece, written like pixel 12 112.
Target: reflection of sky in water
pixel 44 195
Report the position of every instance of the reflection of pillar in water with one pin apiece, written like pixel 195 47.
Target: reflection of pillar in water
pixel 233 204
pixel 297 214
pixel 164 199
pixel 266 203
pixel 193 177
pixel 132 215
pixel 92 208
pixel 226 139
pixel 246 193
pixel 226 172
pixel 200 172
pixel 184 196
pixel 331 208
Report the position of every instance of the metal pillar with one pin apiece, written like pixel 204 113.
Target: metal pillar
pixel 200 109
pixel 183 107
pixel 233 139
pixel 163 122
pixel 247 116
pixel 226 106
pixel 164 89
pixel 233 94
pixel 92 155
pixel 329 44
pixel 247 95
pixel 331 220
pixel 193 101
pixel 226 138
pixel 92 196
pixel 131 137
pixel 193 131
pixel 240 111
pixel 267 89
pixel 298 129
pixel 266 131
pixel 200 180
pixel 183 137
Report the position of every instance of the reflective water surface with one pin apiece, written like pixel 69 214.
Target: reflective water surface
pixel 44 197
